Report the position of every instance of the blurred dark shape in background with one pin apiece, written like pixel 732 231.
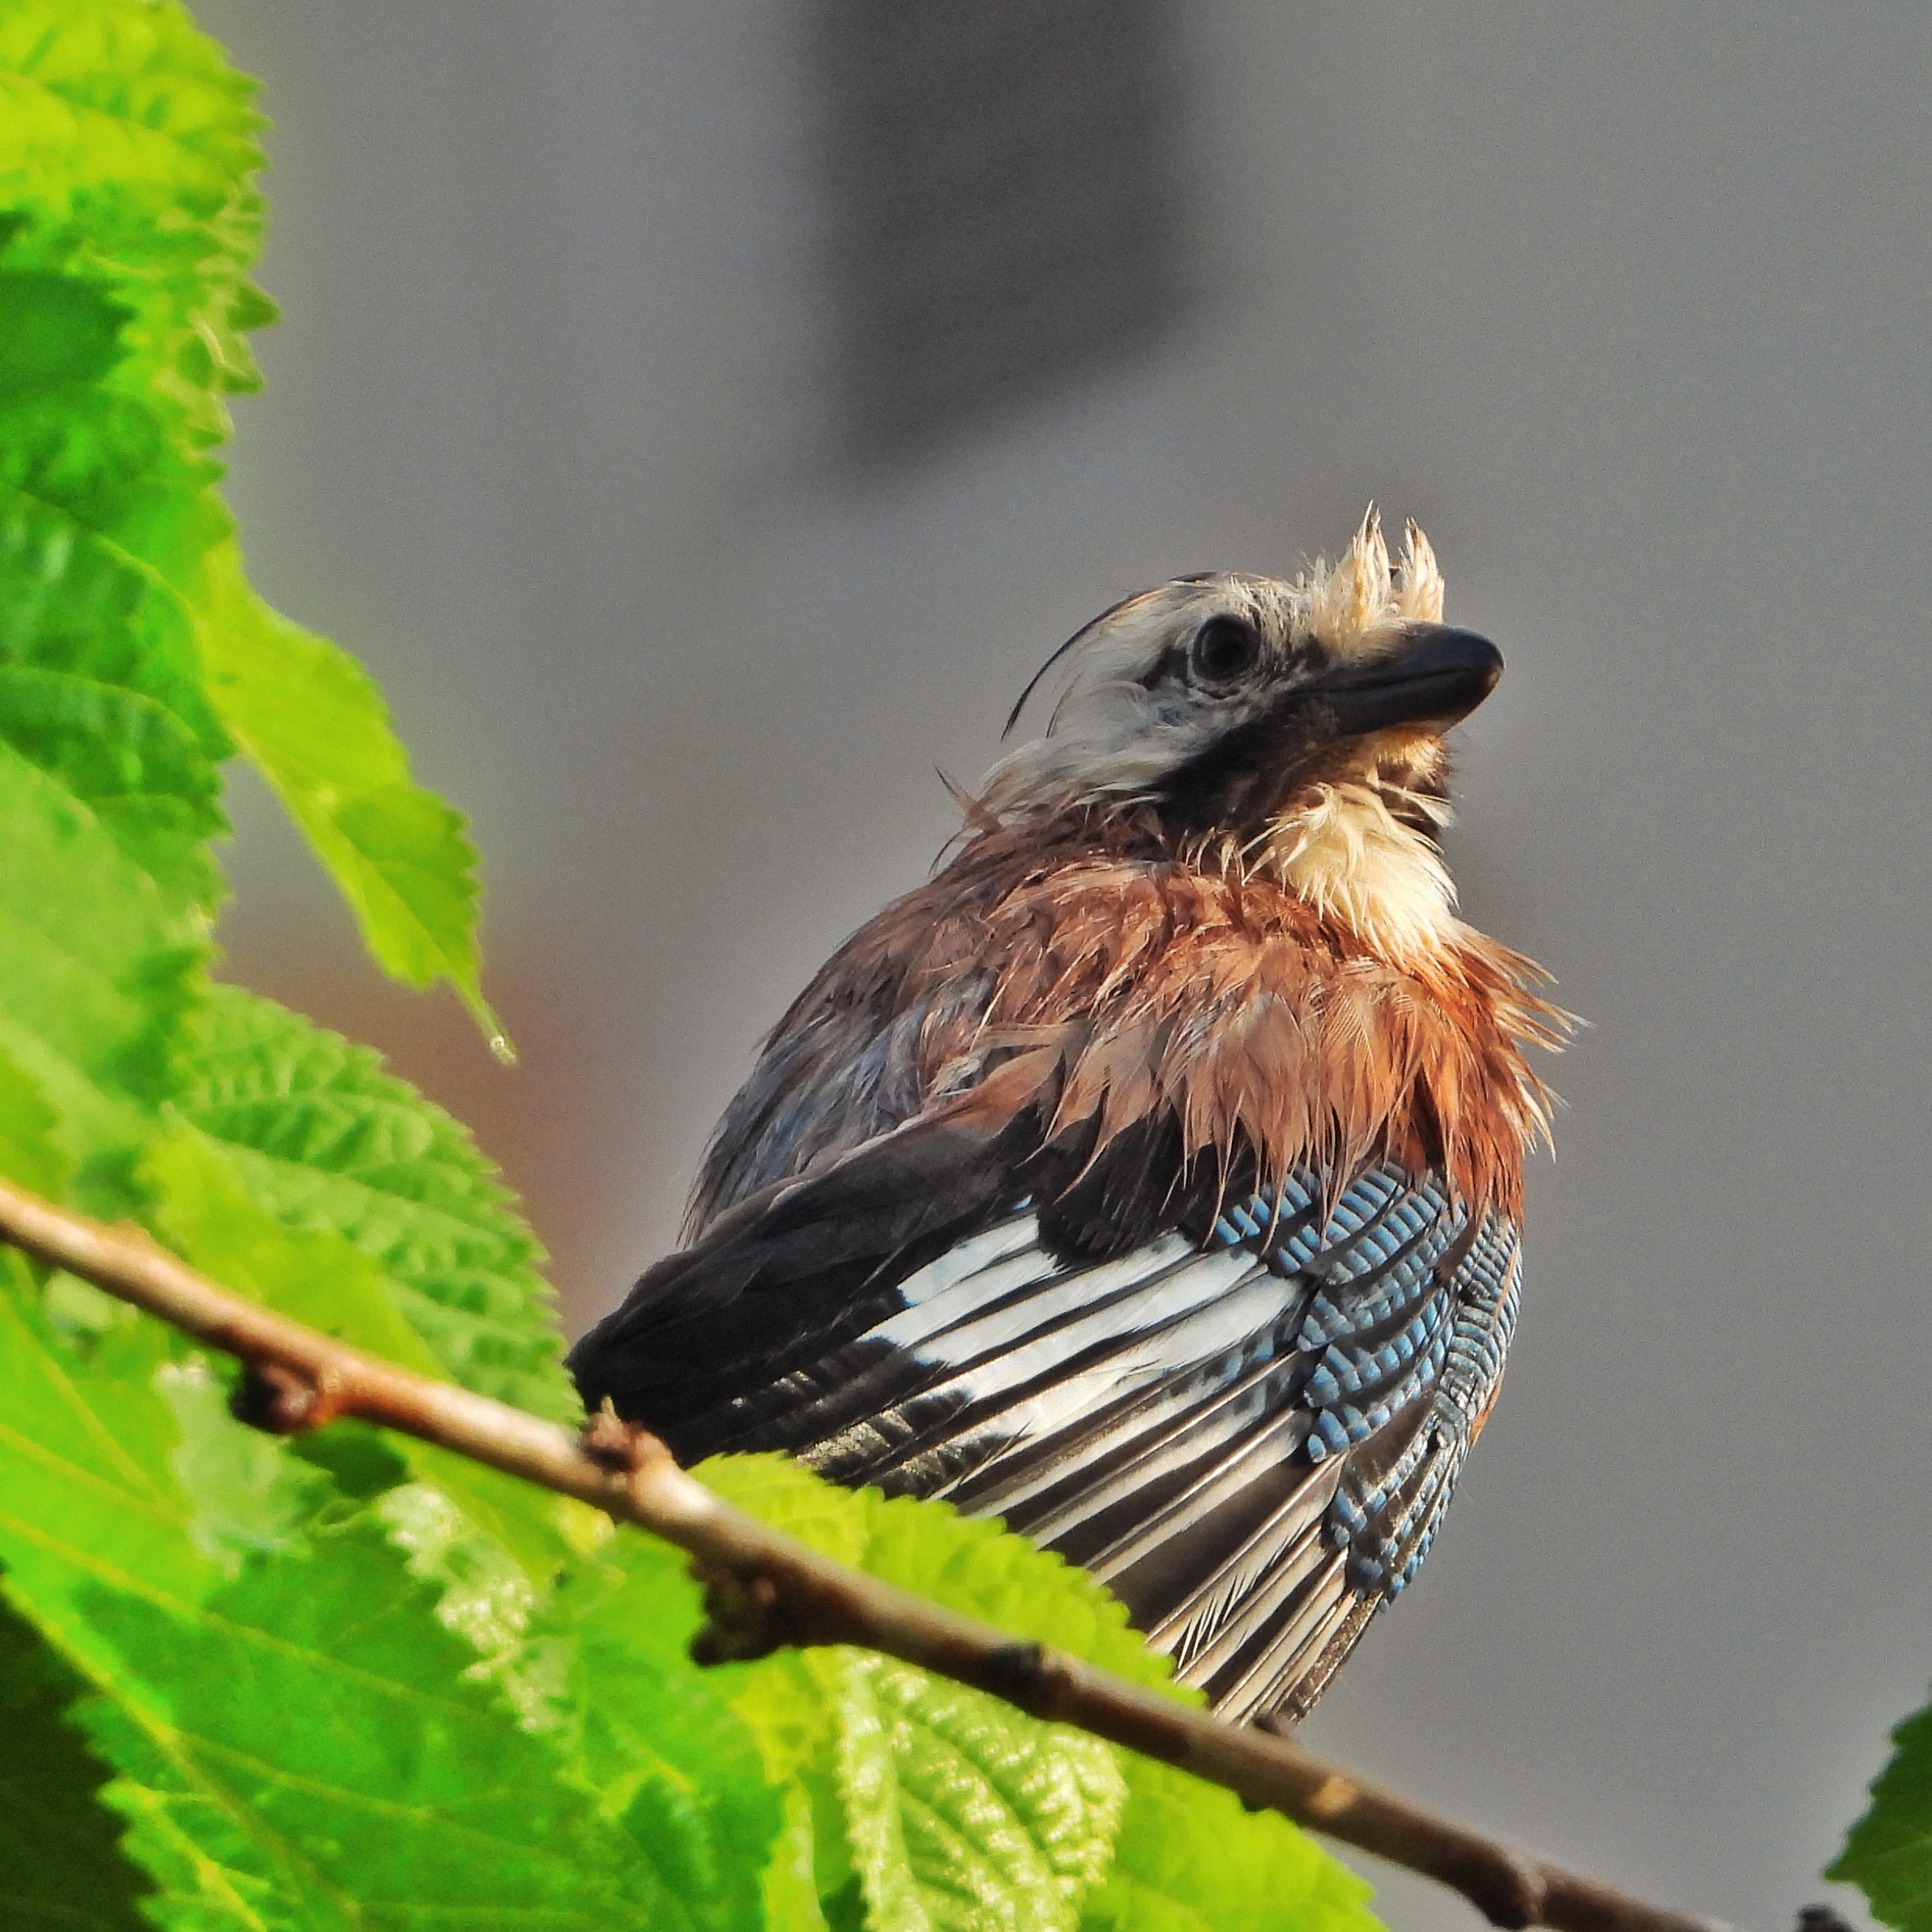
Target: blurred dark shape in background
pixel 1001 210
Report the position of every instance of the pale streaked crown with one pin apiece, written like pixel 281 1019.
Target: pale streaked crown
pixel 1130 713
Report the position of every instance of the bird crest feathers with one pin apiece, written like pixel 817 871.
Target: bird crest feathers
pixel 1357 600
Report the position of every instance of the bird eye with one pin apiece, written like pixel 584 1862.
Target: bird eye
pixel 1225 649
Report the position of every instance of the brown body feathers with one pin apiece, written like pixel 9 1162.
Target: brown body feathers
pixel 1139 985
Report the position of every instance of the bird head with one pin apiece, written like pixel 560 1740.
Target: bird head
pixel 1292 727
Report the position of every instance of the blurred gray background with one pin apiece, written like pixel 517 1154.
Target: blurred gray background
pixel 603 427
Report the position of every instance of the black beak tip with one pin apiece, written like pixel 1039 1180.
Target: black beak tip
pixel 1445 675
pixel 1467 655
pixel 1492 664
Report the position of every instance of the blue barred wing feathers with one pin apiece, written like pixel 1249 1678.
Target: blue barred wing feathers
pixel 1251 1440
pixel 1248 1427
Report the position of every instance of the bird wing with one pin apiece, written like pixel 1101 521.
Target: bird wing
pixel 1246 1423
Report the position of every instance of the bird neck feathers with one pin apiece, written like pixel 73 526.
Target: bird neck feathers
pixel 1363 856
pixel 1272 1030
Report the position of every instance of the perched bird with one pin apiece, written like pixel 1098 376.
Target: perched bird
pixel 1150 1178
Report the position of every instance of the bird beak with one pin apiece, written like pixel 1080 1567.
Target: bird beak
pixel 1437 676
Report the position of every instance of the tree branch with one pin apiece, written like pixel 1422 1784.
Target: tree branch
pixel 765 1589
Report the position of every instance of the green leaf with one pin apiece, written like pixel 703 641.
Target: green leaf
pixel 312 720
pixel 85 1448
pixel 836 1522
pixel 606 1672
pixel 129 217
pixel 953 1809
pixel 305 1750
pixel 55 329
pixel 788 1885
pixel 1187 1855
pixel 128 151
pixel 324 1140
pixel 298 1742
pixel 100 687
pixel 248 1493
pixel 132 762
pixel 127 154
pixel 975 1566
pixel 1191 1859
pixel 62 1867
pixel 962 1813
pixel 1888 1853
pixel 201 1209
pixel 98 970
pixel 968 1564
pixel 31 1153
pixel 78 444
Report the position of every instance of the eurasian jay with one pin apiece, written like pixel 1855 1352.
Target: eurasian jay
pixel 1149 1178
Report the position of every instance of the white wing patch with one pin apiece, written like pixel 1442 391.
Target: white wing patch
pixel 1250 1442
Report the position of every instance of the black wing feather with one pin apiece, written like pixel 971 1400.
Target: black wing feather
pixel 791 1273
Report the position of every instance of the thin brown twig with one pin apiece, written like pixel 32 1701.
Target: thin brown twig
pixel 766 1589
